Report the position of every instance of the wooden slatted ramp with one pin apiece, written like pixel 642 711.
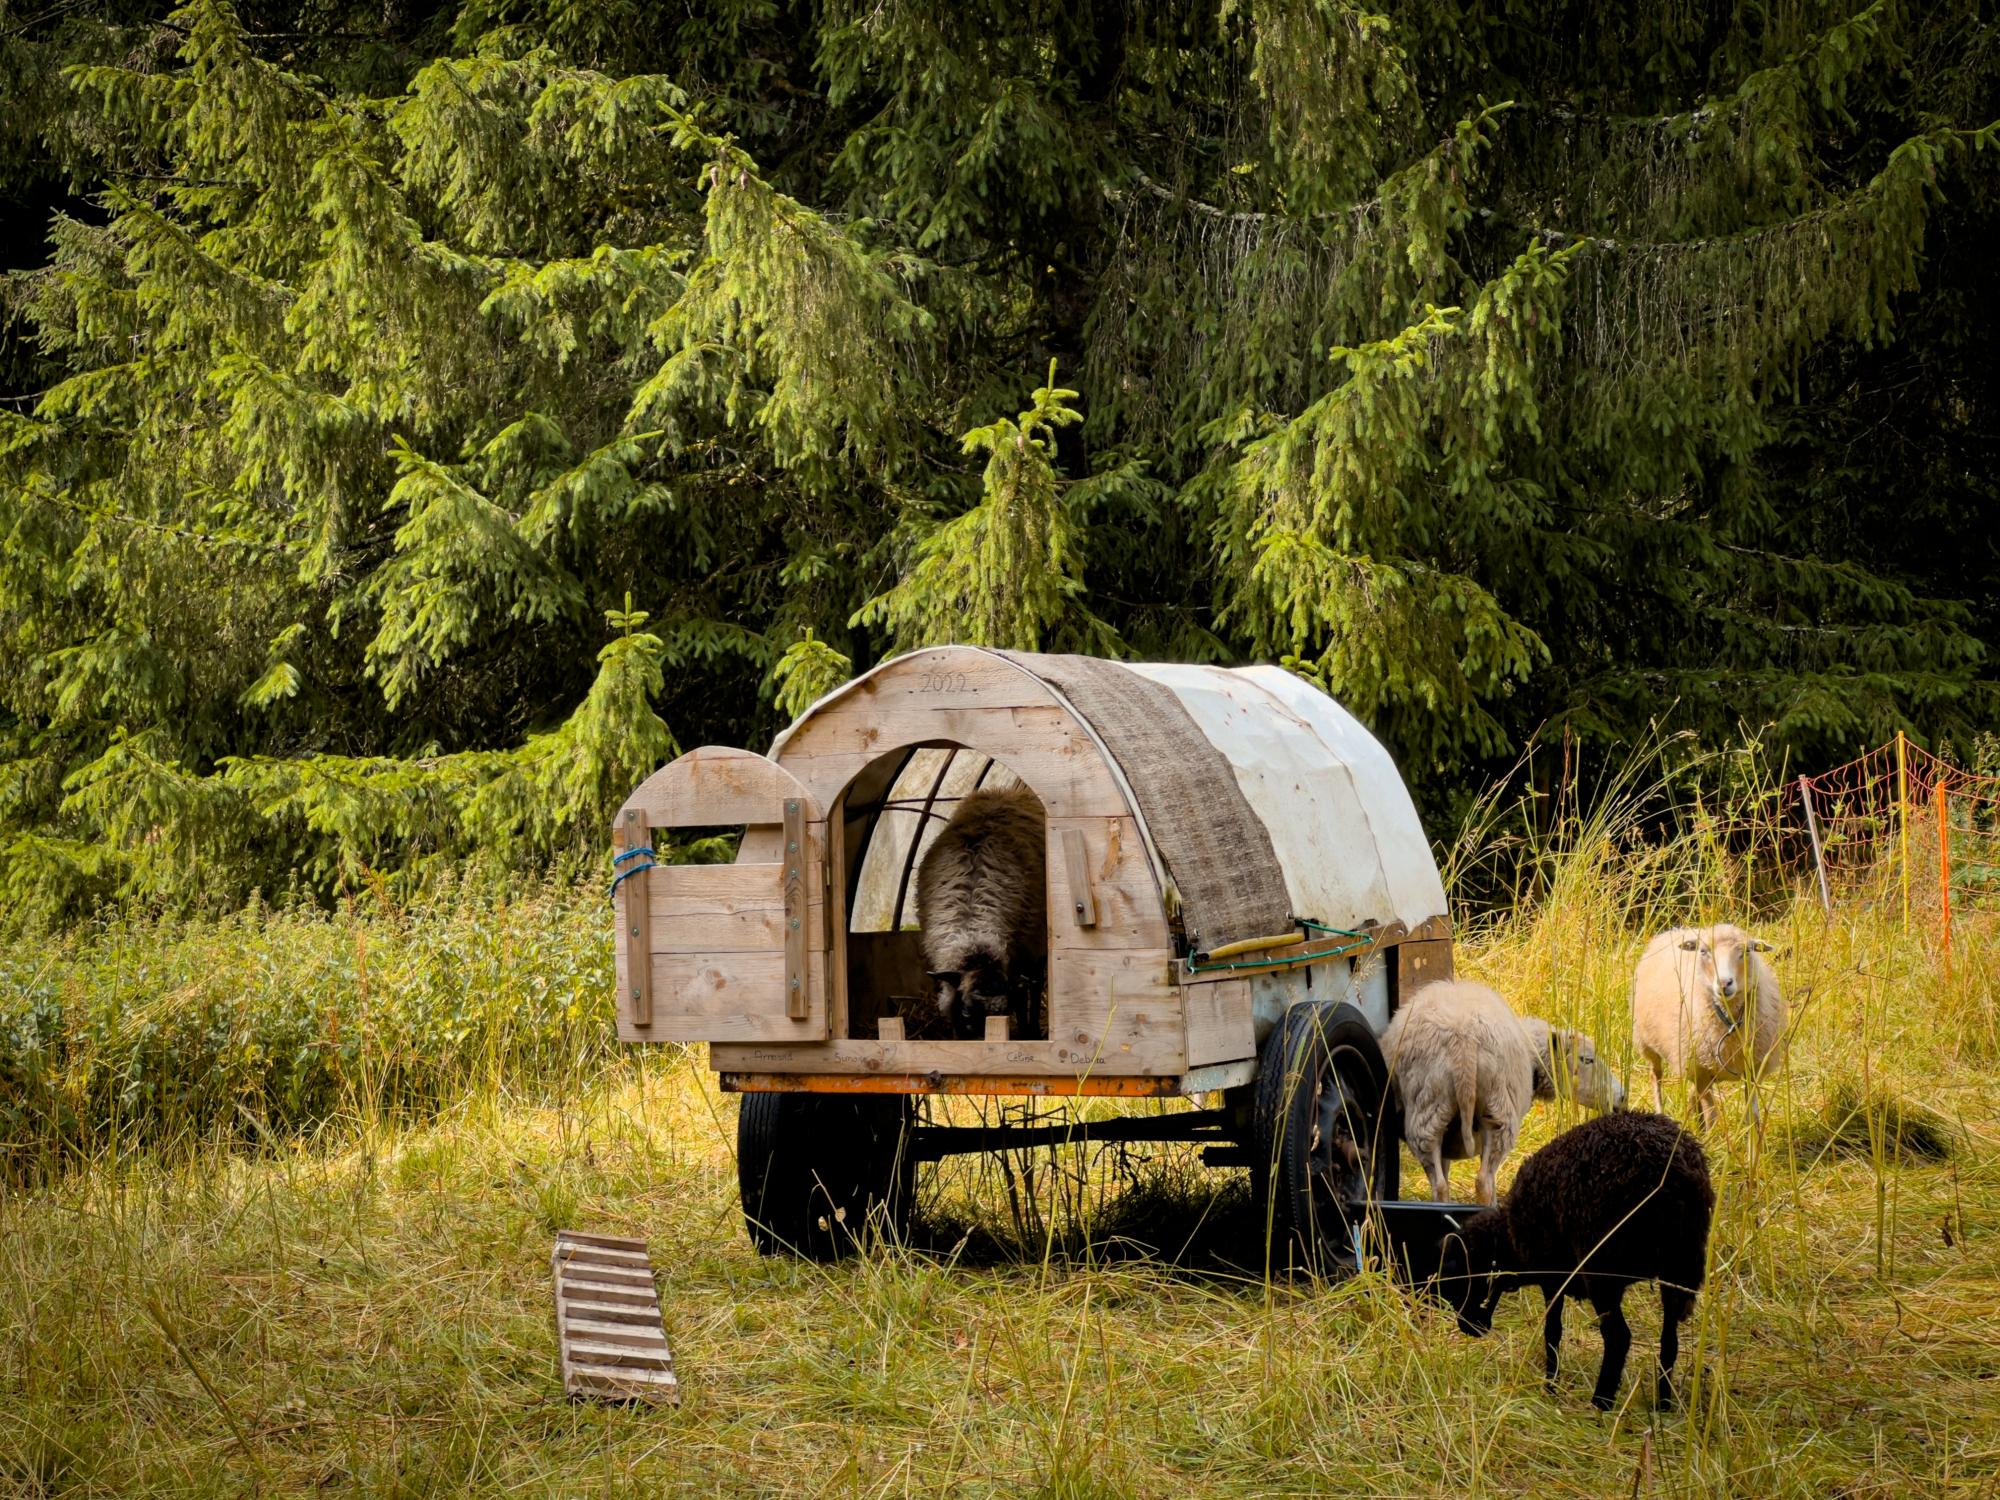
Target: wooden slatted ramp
pixel 608 1327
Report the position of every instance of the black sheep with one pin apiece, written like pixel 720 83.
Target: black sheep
pixel 1620 1199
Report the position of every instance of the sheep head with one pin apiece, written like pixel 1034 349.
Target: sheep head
pixel 1724 963
pixel 1568 1064
pixel 1476 1270
pixel 967 996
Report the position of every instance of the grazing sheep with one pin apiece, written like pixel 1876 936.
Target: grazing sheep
pixel 1459 1054
pixel 1567 1066
pixel 1620 1199
pixel 983 903
pixel 1704 1007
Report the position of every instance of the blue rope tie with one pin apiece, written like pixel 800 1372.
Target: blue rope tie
pixel 632 853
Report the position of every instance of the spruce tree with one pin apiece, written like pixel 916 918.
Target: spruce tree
pixel 423 422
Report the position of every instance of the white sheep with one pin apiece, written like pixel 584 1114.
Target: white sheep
pixel 1458 1054
pixel 1706 1007
pixel 982 897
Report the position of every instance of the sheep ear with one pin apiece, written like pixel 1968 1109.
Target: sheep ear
pixel 1542 1078
pixel 1759 945
pixel 1690 944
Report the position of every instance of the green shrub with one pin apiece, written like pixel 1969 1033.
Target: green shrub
pixel 141 1031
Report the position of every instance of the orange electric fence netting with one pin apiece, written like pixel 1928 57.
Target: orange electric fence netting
pixel 1901 814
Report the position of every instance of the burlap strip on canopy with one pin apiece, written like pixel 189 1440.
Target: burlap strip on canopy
pixel 1216 849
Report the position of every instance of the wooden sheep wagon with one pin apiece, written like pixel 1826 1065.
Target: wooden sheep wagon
pixel 1239 893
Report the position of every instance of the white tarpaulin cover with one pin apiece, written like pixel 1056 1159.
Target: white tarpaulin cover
pixel 1346 834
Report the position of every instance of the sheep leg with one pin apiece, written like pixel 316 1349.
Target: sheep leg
pixel 1426 1143
pixel 1659 1091
pixel 1552 1335
pixel 1439 1174
pixel 1675 1305
pixel 1704 1103
pixel 1496 1141
pixel 1617 1334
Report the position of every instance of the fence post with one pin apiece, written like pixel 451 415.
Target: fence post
pixel 1819 857
pixel 1944 871
pixel 1903 808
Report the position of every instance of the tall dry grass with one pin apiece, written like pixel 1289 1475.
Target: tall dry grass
pixel 143 1033
pixel 362 1307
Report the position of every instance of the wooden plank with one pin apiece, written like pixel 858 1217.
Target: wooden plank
pixel 731 997
pixel 623 1277
pixel 608 1352
pixel 625 1334
pixel 639 1277
pixel 1124 894
pixel 1076 868
pixel 1417 964
pixel 831 896
pixel 1112 1056
pixel 604 1241
pixel 606 1255
pixel 635 918
pixel 947 675
pixel 590 1352
pixel 627 1385
pixel 1045 747
pixel 1220 1027
pixel 1086 981
pixel 609 1275
pixel 889 1028
pixel 855 727
pixel 749 985
pixel 719 908
pixel 582 1306
pixel 715 786
pixel 761 844
pixel 796 945
pixel 1116 1010
pixel 996 1028
pixel 633 1293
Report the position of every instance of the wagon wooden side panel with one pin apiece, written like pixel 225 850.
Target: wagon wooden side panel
pixel 717 953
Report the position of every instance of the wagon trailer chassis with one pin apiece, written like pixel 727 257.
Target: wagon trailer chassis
pixel 936 1142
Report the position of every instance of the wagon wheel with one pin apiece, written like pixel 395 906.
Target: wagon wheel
pixel 1324 1135
pixel 818 1173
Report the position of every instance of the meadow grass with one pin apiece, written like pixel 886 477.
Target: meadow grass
pixel 359 1304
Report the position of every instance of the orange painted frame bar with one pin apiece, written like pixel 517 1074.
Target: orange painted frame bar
pixel 1194 1081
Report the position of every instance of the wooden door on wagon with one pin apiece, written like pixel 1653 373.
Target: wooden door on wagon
pixel 722 953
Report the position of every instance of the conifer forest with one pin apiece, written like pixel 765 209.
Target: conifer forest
pixel 417 421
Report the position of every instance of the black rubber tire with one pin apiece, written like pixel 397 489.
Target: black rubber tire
pixel 819 1173
pixel 1324 1136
